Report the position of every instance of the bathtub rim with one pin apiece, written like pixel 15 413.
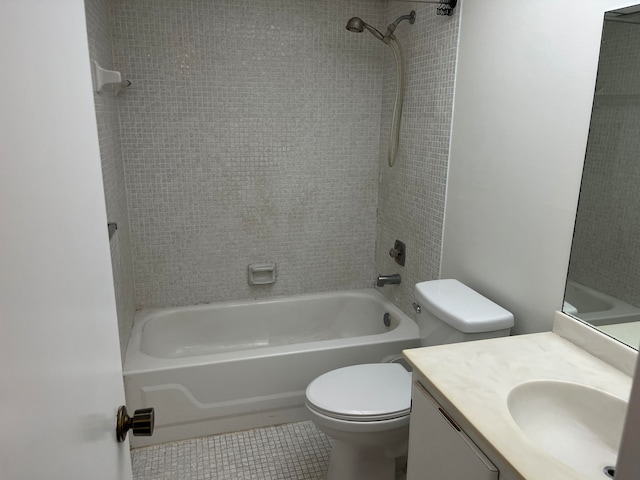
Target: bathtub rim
pixel 137 361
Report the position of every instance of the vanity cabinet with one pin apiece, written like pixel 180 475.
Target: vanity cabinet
pixel 438 448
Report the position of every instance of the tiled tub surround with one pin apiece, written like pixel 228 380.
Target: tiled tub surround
pixel 238 365
pixel 411 195
pixel 251 134
pixel 108 122
pixel 473 380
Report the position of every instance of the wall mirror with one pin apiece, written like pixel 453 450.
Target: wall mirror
pixel 603 283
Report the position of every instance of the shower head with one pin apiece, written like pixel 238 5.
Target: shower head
pixel 356 25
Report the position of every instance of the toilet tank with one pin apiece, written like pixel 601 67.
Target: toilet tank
pixel 452 312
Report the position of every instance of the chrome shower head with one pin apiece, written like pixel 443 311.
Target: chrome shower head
pixel 356 25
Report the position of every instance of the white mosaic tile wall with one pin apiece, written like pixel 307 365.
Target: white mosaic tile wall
pixel 98 31
pixel 251 134
pixel 412 193
pixel 606 247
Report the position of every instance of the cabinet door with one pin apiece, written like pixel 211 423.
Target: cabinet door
pixel 438 448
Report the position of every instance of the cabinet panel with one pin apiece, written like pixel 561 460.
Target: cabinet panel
pixel 438 448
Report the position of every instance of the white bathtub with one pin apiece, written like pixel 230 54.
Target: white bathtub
pixel 597 308
pixel 232 366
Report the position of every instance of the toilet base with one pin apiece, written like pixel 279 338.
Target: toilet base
pixel 349 462
pixel 372 455
pixel 367 449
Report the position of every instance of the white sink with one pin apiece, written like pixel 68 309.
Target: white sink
pixel 576 424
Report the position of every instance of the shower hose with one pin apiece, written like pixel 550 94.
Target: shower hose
pixel 394 133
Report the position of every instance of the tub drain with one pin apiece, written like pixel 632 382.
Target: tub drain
pixel 386 319
pixel 609 471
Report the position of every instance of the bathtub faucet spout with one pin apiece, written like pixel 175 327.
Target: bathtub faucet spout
pixel 388 280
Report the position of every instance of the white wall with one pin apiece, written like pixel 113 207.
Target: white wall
pixel 524 88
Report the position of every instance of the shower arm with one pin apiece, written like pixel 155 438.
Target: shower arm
pixel 387 37
pixel 392 26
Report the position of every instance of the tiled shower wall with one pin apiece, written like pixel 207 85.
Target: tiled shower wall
pixel 251 134
pixel 606 249
pixel 412 193
pixel 98 32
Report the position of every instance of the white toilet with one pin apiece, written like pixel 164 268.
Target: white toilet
pixel 365 408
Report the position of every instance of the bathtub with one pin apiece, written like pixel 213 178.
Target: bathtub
pixel 232 366
pixel 597 308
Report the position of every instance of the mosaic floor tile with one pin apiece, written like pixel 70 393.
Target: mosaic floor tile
pixel 296 451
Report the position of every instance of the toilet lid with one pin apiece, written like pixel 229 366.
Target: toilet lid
pixel 371 392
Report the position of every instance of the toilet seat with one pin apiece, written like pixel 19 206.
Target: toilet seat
pixel 362 393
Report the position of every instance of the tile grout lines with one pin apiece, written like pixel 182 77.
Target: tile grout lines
pixel 296 451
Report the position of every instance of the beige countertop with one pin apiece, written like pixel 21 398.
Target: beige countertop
pixel 473 380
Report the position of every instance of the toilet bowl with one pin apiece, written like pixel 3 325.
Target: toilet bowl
pixel 365 409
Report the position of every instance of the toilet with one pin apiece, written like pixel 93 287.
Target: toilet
pixel 365 408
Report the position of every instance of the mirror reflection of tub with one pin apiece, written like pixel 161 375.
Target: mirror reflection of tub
pixel 605 254
pixel 611 315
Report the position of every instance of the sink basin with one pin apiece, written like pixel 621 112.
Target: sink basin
pixel 576 424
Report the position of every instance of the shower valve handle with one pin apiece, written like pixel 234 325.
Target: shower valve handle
pixel 398 252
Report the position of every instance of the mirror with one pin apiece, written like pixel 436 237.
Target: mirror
pixel 603 284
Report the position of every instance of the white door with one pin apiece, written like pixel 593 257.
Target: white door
pixel 60 371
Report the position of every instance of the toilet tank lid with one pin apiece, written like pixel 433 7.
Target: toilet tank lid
pixel 461 307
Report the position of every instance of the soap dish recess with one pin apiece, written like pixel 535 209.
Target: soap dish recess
pixel 262 273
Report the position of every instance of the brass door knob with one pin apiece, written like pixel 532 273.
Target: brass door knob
pixel 141 424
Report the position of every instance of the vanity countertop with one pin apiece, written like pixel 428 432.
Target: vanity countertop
pixel 473 380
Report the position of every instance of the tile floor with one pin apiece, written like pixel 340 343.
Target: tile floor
pixel 296 451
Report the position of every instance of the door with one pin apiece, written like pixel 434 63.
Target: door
pixel 60 371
